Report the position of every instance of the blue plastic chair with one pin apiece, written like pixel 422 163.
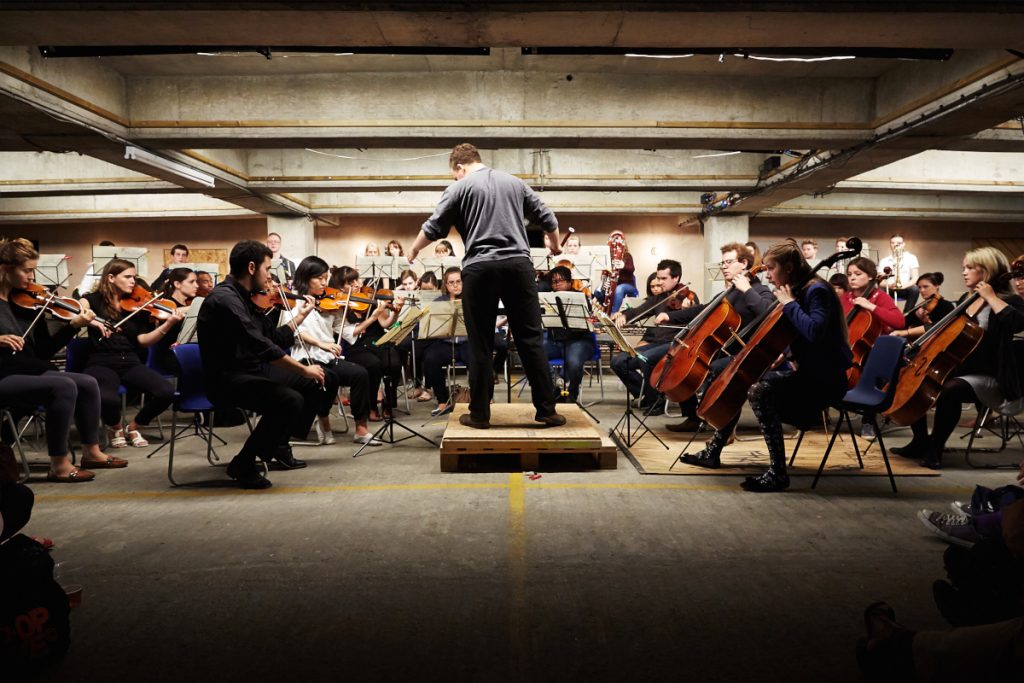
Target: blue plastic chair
pixel 190 397
pixel 872 395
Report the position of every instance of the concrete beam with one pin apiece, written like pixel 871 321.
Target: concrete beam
pixel 89 207
pixel 942 206
pixel 699 24
pixel 937 171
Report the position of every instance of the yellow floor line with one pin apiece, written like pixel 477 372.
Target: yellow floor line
pixel 518 655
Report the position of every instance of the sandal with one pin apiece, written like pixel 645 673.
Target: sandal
pixel 72 477
pixel 110 463
pixel 137 439
pixel 425 396
pixel 116 438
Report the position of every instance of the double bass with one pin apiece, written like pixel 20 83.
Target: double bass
pixel 682 371
pixel 725 397
pixel 934 356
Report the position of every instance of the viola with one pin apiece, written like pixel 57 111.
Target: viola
pixel 265 301
pixel 37 297
pixel 927 307
pixel 935 355
pixel 725 396
pixel 682 371
pixel 141 298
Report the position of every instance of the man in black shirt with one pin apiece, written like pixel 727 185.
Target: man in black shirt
pixel 244 365
pixel 490 208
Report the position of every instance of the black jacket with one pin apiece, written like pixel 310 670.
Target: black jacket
pixel 748 304
pixel 40 345
pixel 651 307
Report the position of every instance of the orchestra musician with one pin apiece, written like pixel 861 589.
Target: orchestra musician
pixel 748 297
pixel 274 244
pixel 656 339
pixel 245 366
pixel 359 330
pixel 809 248
pixel 394 248
pixel 429 282
pixel 437 354
pixel 991 374
pixel 371 249
pixel 115 359
pixel 653 285
pixel 861 275
pixel 443 248
pixel 179 254
pixel 820 353
pixel 321 348
pixel 180 286
pixel 904 267
pixel 204 283
pixel 840 283
pixel 572 246
pixel 29 380
pixel 921 320
pixel 626 277
pixel 491 209
pixel 578 345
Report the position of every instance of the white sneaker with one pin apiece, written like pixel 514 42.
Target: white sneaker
pixel 323 439
pixel 367 439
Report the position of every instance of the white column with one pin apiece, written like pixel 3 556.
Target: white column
pixel 719 230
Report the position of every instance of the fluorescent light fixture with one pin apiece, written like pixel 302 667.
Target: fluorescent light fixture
pixel 173 167
pixel 762 58
pixel 716 154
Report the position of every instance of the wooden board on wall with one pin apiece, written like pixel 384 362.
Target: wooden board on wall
pixel 1011 246
pixel 218 256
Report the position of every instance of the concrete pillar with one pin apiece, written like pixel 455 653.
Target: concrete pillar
pixel 719 230
pixel 298 236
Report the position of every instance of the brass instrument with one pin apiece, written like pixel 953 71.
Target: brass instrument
pixel 897 257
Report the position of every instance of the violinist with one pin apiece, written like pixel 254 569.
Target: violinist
pixel 429 282
pixel 862 274
pixel 991 375
pixel 115 360
pixel 748 297
pixel 204 284
pixel 820 352
pixel 657 340
pixel 443 249
pixel 180 286
pixel 321 348
pixel 575 346
pixel 362 325
pixel 439 352
pixel 28 379
pixel 245 367
pixel 933 308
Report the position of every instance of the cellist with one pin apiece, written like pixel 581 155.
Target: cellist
pixel 794 395
pixel 862 275
pixel 748 297
pixel 991 374
pixel 933 307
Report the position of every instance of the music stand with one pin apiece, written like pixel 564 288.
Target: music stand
pixel 189 325
pixel 52 270
pixel 630 437
pixel 566 311
pixel 377 267
pixel 405 324
pixel 542 258
pixel 439 265
pixel 443 320
pixel 210 268
pixel 278 270
pixel 101 256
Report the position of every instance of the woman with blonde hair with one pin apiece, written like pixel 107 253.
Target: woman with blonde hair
pixel 820 352
pixel 115 359
pixel 28 379
pixel 991 374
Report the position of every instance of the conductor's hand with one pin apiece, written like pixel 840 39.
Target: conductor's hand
pixel 661 319
pixel 551 242
pixel 413 253
pixel 12 342
pixel 313 372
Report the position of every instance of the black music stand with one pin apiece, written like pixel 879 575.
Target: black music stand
pixel 566 311
pixel 386 431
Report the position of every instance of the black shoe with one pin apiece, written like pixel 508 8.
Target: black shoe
pixel 932 463
pixel 704 458
pixel 768 482
pixel 690 424
pixel 553 420
pixel 914 450
pixel 247 476
pixel 468 421
pixel 653 408
pixel 286 461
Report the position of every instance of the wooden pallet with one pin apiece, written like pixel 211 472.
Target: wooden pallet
pixel 514 432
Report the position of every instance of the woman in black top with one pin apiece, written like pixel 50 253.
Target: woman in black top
pixel 28 379
pixel 180 286
pixel 921 320
pixel 116 360
pixel 991 374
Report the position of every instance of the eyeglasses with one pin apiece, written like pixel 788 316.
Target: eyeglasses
pixel 727 262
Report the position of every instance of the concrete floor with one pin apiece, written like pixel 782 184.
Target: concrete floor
pixel 383 568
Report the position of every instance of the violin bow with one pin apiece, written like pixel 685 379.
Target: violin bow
pixel 46 304
pixel 295 328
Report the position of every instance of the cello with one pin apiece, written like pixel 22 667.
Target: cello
pixel 682 371
pixel 725 397
pixel 863 329
pixel 935 355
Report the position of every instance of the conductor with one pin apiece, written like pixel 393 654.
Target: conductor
pixel 489 208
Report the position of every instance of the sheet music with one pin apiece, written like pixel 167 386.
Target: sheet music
pixel 402 327
pixel 443 319
pixel 574 306
pixel 189 325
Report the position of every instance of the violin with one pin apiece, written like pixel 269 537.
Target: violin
pixel 37 297
pixel 335 300
pixel 674 302
pixel 265 301
pixel 141 298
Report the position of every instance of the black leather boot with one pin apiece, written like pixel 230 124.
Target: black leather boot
pixel 710 457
